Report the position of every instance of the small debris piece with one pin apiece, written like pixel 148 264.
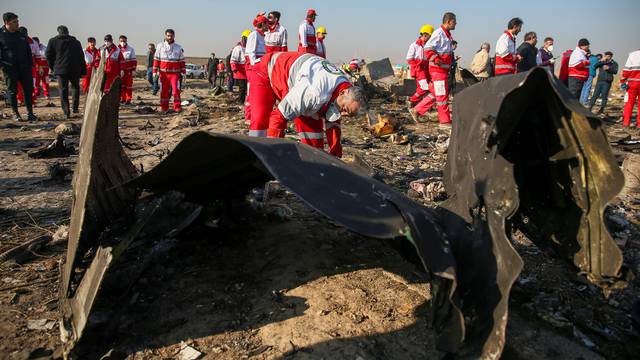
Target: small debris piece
pixel 144 110
pixel 188 353
pixel 56 149
pixel 432 189
pixel 41 324
pixel 386 125
pixel 147 125
pixel 58 172
pixel 398 139
pixel 61 235
pixel 67 129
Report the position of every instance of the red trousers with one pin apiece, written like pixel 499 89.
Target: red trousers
pixel 109 78
pixel 86 80
pixel 633 96
pixel 170 80
pixel 126 90
pixel 247 100
pixel 440 88
pixel 42 80
pixel 422 89
pixel 425 104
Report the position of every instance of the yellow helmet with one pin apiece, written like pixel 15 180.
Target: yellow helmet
pixel 426 29
pixel 246 33
pixel 322 30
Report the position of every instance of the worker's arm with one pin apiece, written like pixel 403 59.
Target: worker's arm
pixel 50 54
pixel 134 60
pixel 303 34
pixel 182 63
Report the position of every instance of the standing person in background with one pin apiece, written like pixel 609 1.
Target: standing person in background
pixel 151 53
pixel 586 88
pixel 307 34
pixel 507 56
pixel 65 55
pixel 545 55
pixel 169 66
pixel 222 73
pixel 35 50
pixel 275 39
pixel 230 80
pixel 579 68
pixel 528 52
pixel 321 35
pixel 419 70
pixel 114 62
pixel 481 63
pixel 454 67
pixel 130 64
pixel 608 68
pixel 255 49
pixel 563 74
pixel 43 71
pixel 92 61
pixel 212 70
pixel 630 82
pixel 439 53
pixel 16 62
pixel 238 61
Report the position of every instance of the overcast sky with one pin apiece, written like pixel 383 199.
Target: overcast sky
pixel 365 29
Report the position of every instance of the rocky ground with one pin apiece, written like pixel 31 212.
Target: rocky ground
pixel 294 284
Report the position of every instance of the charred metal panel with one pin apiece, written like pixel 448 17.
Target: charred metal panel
pixel 102 164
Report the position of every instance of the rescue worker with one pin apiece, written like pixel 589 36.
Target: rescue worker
pixel 254 50
pixel 439 53
pixel 16 62
pixel 92 61
pixel 275 39
pixel 422 100
pixel 43 72
pixel 507 56
pixel 307 34
pixel 630 82
pixel 237 62
pixel 579 67
pixel 321 34
pixel 35 51
pixel 311 91
pixel 130 64
pixel 418 64
pixel 169 66
pixel 114 62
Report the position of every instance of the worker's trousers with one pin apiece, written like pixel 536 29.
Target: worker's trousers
pixel 16 78
pixel 632 96
pixel 126 92
pixel 575 86
pixel 422 89
pixel 263 100
pixel 169 83
pixel 440 89
pixel 86 80
pixel 42 81
pixel 247 101
pixel 425 104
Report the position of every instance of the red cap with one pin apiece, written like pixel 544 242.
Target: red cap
pixel 311 12
pixel 259 19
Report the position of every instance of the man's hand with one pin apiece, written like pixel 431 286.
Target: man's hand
pixel 518 58
pixel 606 67
pixel 552 61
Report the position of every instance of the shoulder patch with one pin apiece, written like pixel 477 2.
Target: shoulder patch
pixel 331 68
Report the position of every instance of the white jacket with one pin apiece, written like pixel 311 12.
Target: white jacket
pixel 255 47
pixel 506 46
pixel 237 55
pixel 312 81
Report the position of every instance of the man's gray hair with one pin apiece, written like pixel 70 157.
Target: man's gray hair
pixel 356 94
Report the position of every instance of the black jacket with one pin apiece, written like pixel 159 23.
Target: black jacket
pixel 65 56
pixel 529 54
pixel 212 66
pixel 607 75
pixel 15 50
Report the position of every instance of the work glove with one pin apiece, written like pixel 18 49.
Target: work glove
pixel 552 61
pixel 624 86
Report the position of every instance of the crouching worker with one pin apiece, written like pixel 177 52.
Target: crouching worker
pixel 312 92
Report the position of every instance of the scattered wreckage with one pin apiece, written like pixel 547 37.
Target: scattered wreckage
pixel 522 155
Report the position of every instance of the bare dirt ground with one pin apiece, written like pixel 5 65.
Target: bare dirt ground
pixel 291 285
